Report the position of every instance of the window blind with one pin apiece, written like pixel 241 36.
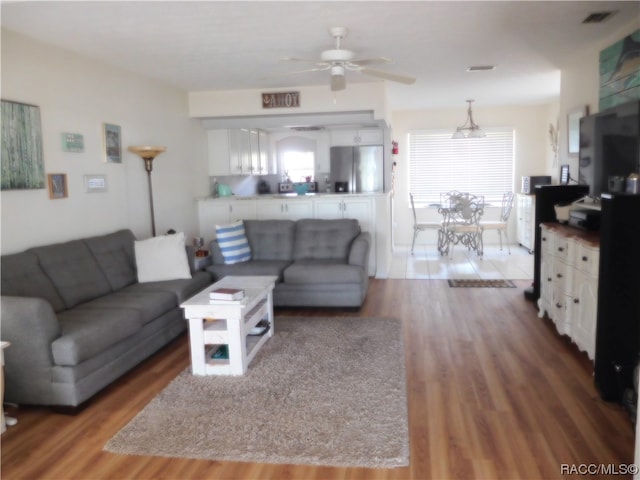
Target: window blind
pixel 481 166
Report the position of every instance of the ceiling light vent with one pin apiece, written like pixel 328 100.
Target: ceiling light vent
pixel 598 17
pixel 306 128
pixel 481 68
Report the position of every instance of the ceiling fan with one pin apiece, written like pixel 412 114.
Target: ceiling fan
pixel 338 61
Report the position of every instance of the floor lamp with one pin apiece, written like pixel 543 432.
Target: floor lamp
pixel 148 154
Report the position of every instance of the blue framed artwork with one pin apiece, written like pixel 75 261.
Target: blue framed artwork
pixel 620 72
pixel 22 163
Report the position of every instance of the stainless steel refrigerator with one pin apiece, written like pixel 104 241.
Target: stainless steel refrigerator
pixel 360 167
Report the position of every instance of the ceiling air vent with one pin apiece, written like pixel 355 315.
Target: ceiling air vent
pixel 306 128
pixel 597 17
pixel 481 68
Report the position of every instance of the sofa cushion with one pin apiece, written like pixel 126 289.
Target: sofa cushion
pixel 114 254
pixel 323 272
pixel 181 289
pixel 73 270
pixel 233 242
pixel 270 239
pixel 161 258
pixel 23 277
pixel 88 331
pixel 150 305
pixel 318 239
pixel 254 267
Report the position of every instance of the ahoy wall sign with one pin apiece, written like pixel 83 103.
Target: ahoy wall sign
pixel 281 100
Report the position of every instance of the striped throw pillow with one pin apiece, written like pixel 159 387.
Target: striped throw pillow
pixel 233 242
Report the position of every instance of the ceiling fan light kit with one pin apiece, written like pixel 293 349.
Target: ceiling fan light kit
pixel 474 130
pixel 338 61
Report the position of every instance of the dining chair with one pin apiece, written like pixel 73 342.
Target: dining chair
pixel 420 226
pixel 462 214
pixel 500 225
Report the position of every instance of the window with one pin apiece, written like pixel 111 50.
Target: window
pixel 297 158
pixel 482 166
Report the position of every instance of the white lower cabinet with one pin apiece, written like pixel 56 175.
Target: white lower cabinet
pixel 285 209
pixel 569 283
pixel 214 212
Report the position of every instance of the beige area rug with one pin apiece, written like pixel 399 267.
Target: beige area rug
pixel 322 391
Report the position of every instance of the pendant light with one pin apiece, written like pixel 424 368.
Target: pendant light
pixel 474 131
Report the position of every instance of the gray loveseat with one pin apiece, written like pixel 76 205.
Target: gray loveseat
pixel 318 262
pixel 77 318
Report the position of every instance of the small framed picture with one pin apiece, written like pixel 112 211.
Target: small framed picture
pixel 72 142
pixel 112 137
pixel 95 183
pixel 57 185
pixel 573 128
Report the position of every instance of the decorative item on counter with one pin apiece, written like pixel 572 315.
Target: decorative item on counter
pixel 224 190
pixel 263 187
pixel 301 188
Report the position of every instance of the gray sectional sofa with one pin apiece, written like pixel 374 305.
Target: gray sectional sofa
pixel 77 318
pixel 318 262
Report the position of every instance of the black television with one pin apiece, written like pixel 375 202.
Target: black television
pixel 609 147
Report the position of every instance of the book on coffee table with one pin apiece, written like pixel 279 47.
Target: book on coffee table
pixel 226 294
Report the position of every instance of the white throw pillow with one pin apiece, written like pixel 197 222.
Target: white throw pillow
pixel 233 242
pixel 162 258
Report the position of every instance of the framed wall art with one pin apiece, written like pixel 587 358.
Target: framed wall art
pixel 573 128
pixel 95 183
pixel 22 162
pixel 112 137
pixel 57 185
pixel 72 142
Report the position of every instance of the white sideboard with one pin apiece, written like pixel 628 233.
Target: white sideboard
pixel 569 282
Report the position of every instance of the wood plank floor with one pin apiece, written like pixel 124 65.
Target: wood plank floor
pixel 493 391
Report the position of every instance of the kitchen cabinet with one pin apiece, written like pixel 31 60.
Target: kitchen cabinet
pixel 238 152
pixel 214 212
pixel 569 283
pixel 526 211
pixel 369 136
pixel 285 209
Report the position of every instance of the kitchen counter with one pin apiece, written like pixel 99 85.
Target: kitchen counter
pixel 295 195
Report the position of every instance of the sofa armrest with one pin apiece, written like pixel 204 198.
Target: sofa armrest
pixel 359 253
pixel 30 324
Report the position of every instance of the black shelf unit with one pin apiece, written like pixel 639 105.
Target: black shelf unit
pixel 618 321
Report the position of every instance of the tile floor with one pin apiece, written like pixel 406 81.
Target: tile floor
pixel 427 263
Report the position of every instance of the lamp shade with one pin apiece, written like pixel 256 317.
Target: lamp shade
pixel 147 151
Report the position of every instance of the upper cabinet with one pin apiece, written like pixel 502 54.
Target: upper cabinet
pixel 368 136
pixel 239 152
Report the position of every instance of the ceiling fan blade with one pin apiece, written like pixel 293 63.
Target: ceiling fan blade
pixel 307 60
pixel 338 82
pixel 296 72
pixel 388 76
pixel 370 61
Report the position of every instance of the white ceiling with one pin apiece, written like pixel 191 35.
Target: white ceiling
pixel 212 45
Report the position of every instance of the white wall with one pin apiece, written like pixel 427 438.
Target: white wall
pixel 313 100
pixel 77 95
pixel 532 154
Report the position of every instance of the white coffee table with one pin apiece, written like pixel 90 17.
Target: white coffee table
pixel 217 322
